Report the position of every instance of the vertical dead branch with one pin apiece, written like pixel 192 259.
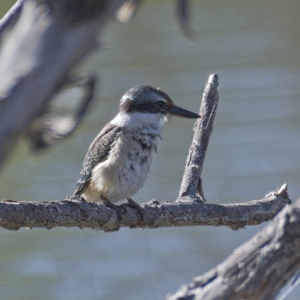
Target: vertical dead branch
pixel 191 185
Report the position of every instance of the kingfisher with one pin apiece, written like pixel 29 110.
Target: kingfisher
pixel 117 162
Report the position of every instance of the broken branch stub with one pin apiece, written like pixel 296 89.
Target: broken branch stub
pixel 191 185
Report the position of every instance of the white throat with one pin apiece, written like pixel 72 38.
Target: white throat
pixel 136 120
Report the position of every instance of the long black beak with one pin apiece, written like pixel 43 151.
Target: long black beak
pixel 181 112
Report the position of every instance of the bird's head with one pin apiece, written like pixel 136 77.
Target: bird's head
pixel 146 99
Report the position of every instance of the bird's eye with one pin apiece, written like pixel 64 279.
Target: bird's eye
pixel 161 104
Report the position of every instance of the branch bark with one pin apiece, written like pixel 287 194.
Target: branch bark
pixel 256 270
pixel 191 185
pixel 78 213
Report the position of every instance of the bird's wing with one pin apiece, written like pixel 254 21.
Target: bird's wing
pixel 98 152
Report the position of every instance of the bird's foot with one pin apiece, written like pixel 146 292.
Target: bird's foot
pixel 136 206
pixel 75 198
pixel 81 199
pixel 116 208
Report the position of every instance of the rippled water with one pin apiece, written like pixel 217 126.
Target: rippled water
pixel 254 47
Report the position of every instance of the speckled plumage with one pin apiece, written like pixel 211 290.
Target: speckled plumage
pixel 97 153
pixel 118 161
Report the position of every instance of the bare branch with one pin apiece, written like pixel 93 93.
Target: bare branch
pixel 256 270
pixel 11 17
pixel 183 18
pixel 50 128
pixel 49 39
pixel 191 182
pixel 77 213
pixel 127 11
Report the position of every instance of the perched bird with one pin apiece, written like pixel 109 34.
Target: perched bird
pixel 117 163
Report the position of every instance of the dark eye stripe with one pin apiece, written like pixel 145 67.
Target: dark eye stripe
pixel 161 104
pixel 130 106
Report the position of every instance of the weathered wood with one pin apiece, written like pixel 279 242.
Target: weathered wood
pixel 258 269
pixel 191 185
pixel 76 213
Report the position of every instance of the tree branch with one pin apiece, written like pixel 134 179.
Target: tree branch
pixel 50 128
pixel 11 17
pixel 256 270
pixel 78 213
pixel 49 39
pixel 191 185
pixel 182 12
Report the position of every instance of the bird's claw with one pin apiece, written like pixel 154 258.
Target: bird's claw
pixel 136 206
pixel 116 208
pixel 75 198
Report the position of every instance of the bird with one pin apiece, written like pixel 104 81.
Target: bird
pixel 118 161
